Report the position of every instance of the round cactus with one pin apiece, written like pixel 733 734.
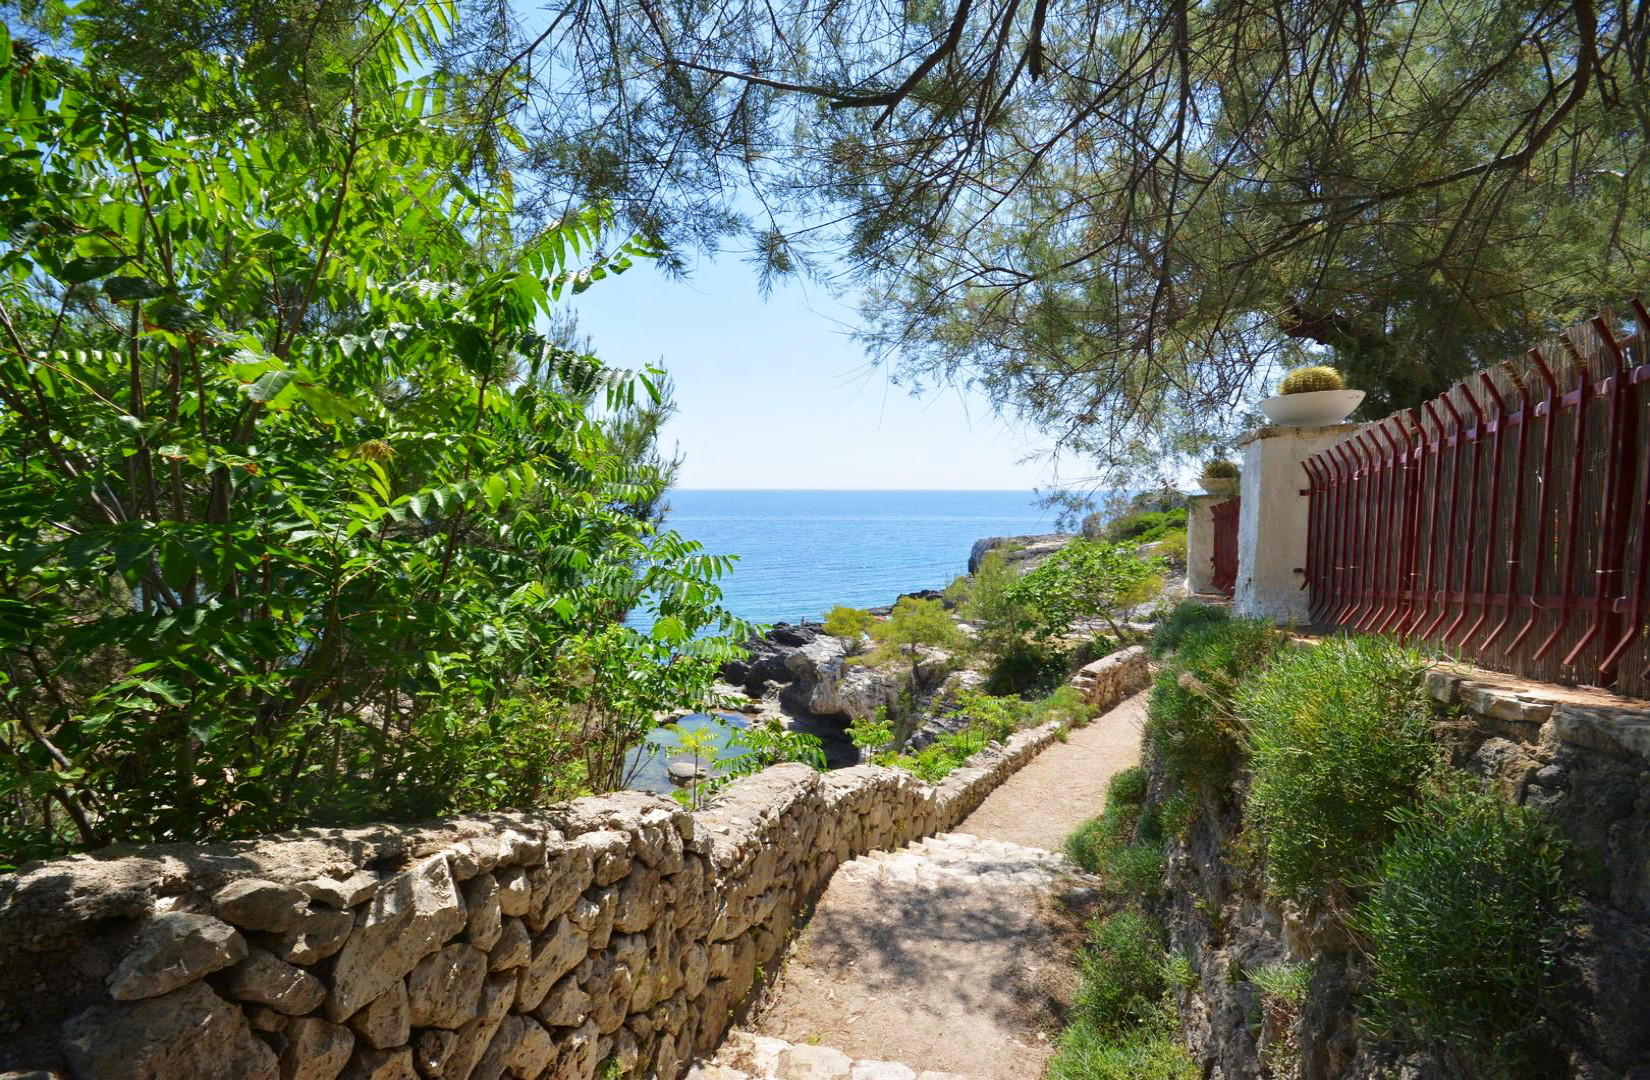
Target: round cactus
pixel 1220 469
pixel 1307 380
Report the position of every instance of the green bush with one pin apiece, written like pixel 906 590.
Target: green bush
pixel 1187 616
pixel 1124 845
pixel 1145 526
pixel 1027 667
pixel 1128 787
pixel 1064 706
pixel 1285 982
pixel 1463 922
pixel 1123 979
pixel 1339 736
pixel 1190 726
pixel 1085 1053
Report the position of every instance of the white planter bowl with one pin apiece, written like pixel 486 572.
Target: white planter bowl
pixel 1218 485
pixel 1318 408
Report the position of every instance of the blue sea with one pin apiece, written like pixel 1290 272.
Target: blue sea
pixel 803 552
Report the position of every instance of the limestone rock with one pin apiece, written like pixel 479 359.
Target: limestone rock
pixel 318 936
pixel 373 1064
pixel 482 926
pixel 638 904
pixel 173 949
pixel 557 884
pixel 566 1005
pixel 410 917
pixel 442 991
pixel 814 1063
pixel 557 953
pixel 264 980
pixel 253 904
pixel 501 1050
pixel 514 947
pixel 433 1050
pixel 611 851
pixel 386 1020
pixel 475 1037
pixel 515 892
pixel 534 1050
pixel 355 889
pixel 315 1049
pixel 190 1032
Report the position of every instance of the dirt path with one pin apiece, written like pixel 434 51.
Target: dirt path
pixel 950 959
pixel 1063 786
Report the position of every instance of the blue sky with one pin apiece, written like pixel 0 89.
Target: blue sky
pixel 775 394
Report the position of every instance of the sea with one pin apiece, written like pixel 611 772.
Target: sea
pixel 803 552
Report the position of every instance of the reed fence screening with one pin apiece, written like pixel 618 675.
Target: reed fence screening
pixel 1507 521
pixel 1225 545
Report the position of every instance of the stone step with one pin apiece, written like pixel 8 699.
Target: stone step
pixel 746 1055
pixel 950 856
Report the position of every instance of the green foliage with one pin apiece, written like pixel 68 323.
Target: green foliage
pixel 1123 980
pixel 1187 616
pixel 1221 469
pixel 1463 924
pixel 1086 579
pixel 1026 667
pixel 1085 1053
pixel 1285 982
pixel 1064 706
pixel 1145 526
pixel 990 720
pixel 849 623
pixel 1128 787
pixel 302 518
pixel 913 625
pixel 990 605
pixel 1307 380
pixel 1124 845
pixel 1339 737
pixel 1191 727
pixel 872 733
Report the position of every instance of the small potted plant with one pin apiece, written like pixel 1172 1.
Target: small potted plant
pixel 1220 477
pixel 1311 397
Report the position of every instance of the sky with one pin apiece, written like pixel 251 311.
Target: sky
pixel 775 394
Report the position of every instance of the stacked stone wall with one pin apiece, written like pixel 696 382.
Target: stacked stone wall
pixel 612 935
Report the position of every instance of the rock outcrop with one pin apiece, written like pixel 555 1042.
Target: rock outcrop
pixel 1020 549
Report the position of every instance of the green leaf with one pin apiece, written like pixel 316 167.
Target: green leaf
pixel 121 289
pixel 87 267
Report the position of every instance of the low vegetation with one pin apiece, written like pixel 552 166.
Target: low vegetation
pixel 1457 901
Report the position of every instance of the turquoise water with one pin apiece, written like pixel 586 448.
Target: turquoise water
pixel 648 761
pixel 802 552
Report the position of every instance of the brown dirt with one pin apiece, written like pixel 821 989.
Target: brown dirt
pixel 1065 785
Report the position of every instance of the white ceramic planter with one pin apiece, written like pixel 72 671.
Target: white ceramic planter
pixel 1318 408
pixel 1219 485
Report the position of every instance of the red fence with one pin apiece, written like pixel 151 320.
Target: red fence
pixel 1225 557
pixel 1506 522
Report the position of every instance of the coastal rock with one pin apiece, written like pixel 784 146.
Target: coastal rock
pixel 685 772
pixel 1021 549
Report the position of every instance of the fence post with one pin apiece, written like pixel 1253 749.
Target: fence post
pixel 1272 520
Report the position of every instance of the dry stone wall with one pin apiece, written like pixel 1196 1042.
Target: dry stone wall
pixel 615 932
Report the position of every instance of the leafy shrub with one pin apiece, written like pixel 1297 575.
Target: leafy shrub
pixel 1128 787
pixel 1064 706
pixel 1123 981
pixel 1142 527
pixel 1306 380
pixel 1171 546
pixel 991 719
pixel 305 517
pixel 1185 617
pixel 872 732
pixel 1339 736
pixel 1026 667
pixel 850 624
pixel 1463 923
pixel 1190 726
pixel 1085 1053
pixel 1221 469
pixel 1085 579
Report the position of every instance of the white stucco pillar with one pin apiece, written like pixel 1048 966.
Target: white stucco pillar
pixel 1272 520
pixel 1200 543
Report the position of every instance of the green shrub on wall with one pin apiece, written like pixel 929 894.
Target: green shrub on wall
pixel 1187 616
pixel 1190 725
pixel 1463 921
pixel 1338 738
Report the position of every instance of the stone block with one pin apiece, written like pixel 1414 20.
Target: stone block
pixel 554 955
pixel 318 936
pixel 410 917
pixel 253 904
pixel 482 914
pixel 386 1020
pixel 368 1063
pixel 264 980
pixel 514 947
pixel 315 1049
pixel 190 1032
pixel 515 892
pixel 444 989
pixel 171 950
